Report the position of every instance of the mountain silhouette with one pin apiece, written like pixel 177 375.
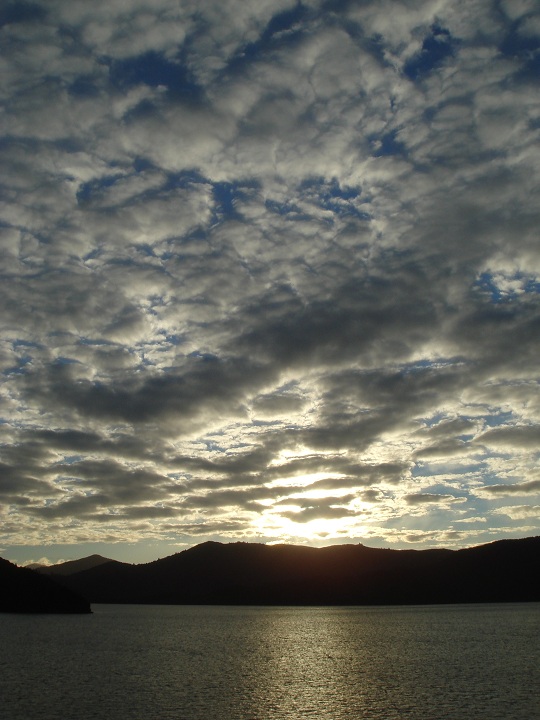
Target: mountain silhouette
pixel 256 574
pixel 25 591
pixel 71 566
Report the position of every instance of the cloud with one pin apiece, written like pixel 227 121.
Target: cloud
pixel 254 251
pixel 525 437
pixel 530 487
pixel 520 512
pixel 278 404
pixel 44 561
pixel 330 508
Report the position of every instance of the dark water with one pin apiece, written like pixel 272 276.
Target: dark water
pixel 228 663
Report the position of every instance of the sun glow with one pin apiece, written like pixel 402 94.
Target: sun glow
pixel 303 481
pixel 310 509
pixel 319 529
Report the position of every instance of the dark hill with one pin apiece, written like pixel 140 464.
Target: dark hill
pixel 25 591
pixel 73 566
pixel 255 574
pixel 111 582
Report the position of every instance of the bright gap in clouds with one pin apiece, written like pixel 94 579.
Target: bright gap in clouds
pixel 268 275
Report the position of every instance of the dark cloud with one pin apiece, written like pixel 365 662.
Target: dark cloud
pixel 329 508
pixel 207 528
pixel 70 440
pixel 207 384
pixel 228 498
pixel 278 404
pixel 445 449
pixel 531 487
pixel 16 483
pixel 524 436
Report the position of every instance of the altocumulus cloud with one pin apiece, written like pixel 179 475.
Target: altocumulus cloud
pixel 269 271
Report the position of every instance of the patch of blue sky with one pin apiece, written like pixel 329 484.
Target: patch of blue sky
pixel 466 437
pixel 288 210
pixel 421 366
pixel 226 197
pixel 155 70
pixel 532 285
pixel 204 357
pixel 525 49
pixel 441 488
pixel 176 249
pixel 67 460
pixel 330 195
pixel 434 419
pixel 422 469
pixel 288 386
pixel 184 179
pixel 20 367
pixel 179 476
pixel 437 47
pixel 213 446
pixel 515 285
pixel 283 27
pixel 329 189
pixel 285 21
pixel 61 360
pixel 375 45
pixel 67 145
pixel 145 250
pixel 486 285
pixel 493 420
pixel 387 144
pixel 122 262
pixel 491 478
pixel 173 339
pixel 26 343
pixel 225 194
pixel 343 209
pixel 91 342
pixel 94 188
pixel 266 423
pixel 142 164
pixel 93 254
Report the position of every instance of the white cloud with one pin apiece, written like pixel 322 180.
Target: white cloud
pixel 520 512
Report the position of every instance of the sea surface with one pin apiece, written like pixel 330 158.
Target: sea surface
pixel 468 662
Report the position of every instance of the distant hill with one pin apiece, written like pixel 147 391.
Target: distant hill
pixel 71 566
pixel 25 591
pixel 256 574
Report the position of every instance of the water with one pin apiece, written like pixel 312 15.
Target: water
pixel 231 663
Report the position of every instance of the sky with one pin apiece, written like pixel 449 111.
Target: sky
pixel 270 272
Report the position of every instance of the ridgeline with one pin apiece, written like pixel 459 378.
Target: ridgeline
pixel 255 574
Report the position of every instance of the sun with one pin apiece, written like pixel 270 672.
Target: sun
pixel 318 530
pixel 312 507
